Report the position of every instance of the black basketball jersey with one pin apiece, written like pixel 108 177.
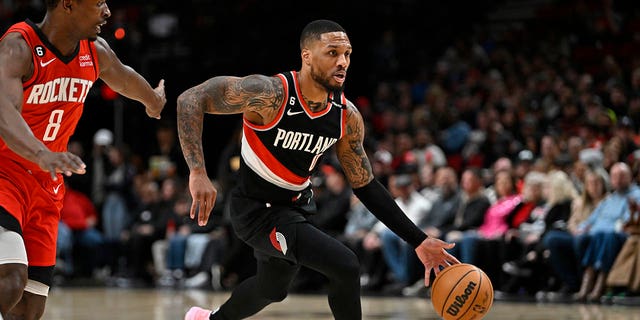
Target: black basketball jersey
pixel 285 151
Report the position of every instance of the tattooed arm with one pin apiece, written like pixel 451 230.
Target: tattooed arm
pixel 350 151
pixel 258 97
pixel 374 196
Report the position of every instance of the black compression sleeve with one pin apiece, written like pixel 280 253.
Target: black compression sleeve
pixel 378 200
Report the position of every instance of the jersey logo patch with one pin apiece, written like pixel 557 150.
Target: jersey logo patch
pixel 55 189
pixel 278 241
pixel 44 64
pixel 291 113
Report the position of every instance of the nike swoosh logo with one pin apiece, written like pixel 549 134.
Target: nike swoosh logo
pixel 55 189
pixel 290 113
pixel 44 64
pixel 336 104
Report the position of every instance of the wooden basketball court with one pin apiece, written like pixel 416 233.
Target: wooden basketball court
pixel 129 304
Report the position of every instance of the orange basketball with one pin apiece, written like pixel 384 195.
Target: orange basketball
pixel 462 292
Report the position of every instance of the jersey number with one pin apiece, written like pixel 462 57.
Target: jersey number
pixel 40 51
pixel 314 161
pixel 54 125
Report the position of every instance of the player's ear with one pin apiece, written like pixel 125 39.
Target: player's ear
pixel 66 5
pixel 306 56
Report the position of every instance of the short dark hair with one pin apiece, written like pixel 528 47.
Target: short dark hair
pixel 314 29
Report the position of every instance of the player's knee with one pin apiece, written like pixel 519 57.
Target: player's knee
pixel 13 279
pixel 349 267
pixel 275 294
pixel 14 276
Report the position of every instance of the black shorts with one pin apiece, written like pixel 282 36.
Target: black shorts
pixel 268 228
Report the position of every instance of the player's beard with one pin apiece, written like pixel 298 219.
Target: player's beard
pixel 324 81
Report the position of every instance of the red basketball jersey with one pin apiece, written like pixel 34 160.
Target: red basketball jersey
pixel 54 96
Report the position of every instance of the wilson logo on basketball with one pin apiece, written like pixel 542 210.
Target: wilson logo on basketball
pixel 460 300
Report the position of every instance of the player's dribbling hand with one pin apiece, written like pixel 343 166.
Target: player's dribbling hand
pixel 204 196
pixel 60 162
pixel 432 252
pixel 153 111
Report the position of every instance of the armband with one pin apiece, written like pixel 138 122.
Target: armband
pixel 380 202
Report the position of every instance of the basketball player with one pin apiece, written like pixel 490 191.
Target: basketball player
pixel 290 120
pixel 46 71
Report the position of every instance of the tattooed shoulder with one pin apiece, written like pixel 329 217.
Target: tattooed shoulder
pixel 355 123
pixel 227 94
pixel 261 92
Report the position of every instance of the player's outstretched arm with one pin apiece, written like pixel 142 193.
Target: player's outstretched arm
pixel 376 198
pixel 129 83
pixel 258 97
pixel 16 65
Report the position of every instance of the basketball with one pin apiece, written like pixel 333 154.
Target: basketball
pixel 463 292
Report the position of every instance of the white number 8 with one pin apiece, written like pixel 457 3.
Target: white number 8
pixel 54 125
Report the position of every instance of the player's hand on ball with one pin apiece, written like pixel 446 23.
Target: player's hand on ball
pixel 432 252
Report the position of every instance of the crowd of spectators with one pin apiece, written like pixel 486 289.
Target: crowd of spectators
pixel 519 144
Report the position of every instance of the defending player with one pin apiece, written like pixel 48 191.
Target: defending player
pixel 46 71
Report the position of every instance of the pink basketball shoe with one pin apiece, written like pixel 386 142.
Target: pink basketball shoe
pixel 197 313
